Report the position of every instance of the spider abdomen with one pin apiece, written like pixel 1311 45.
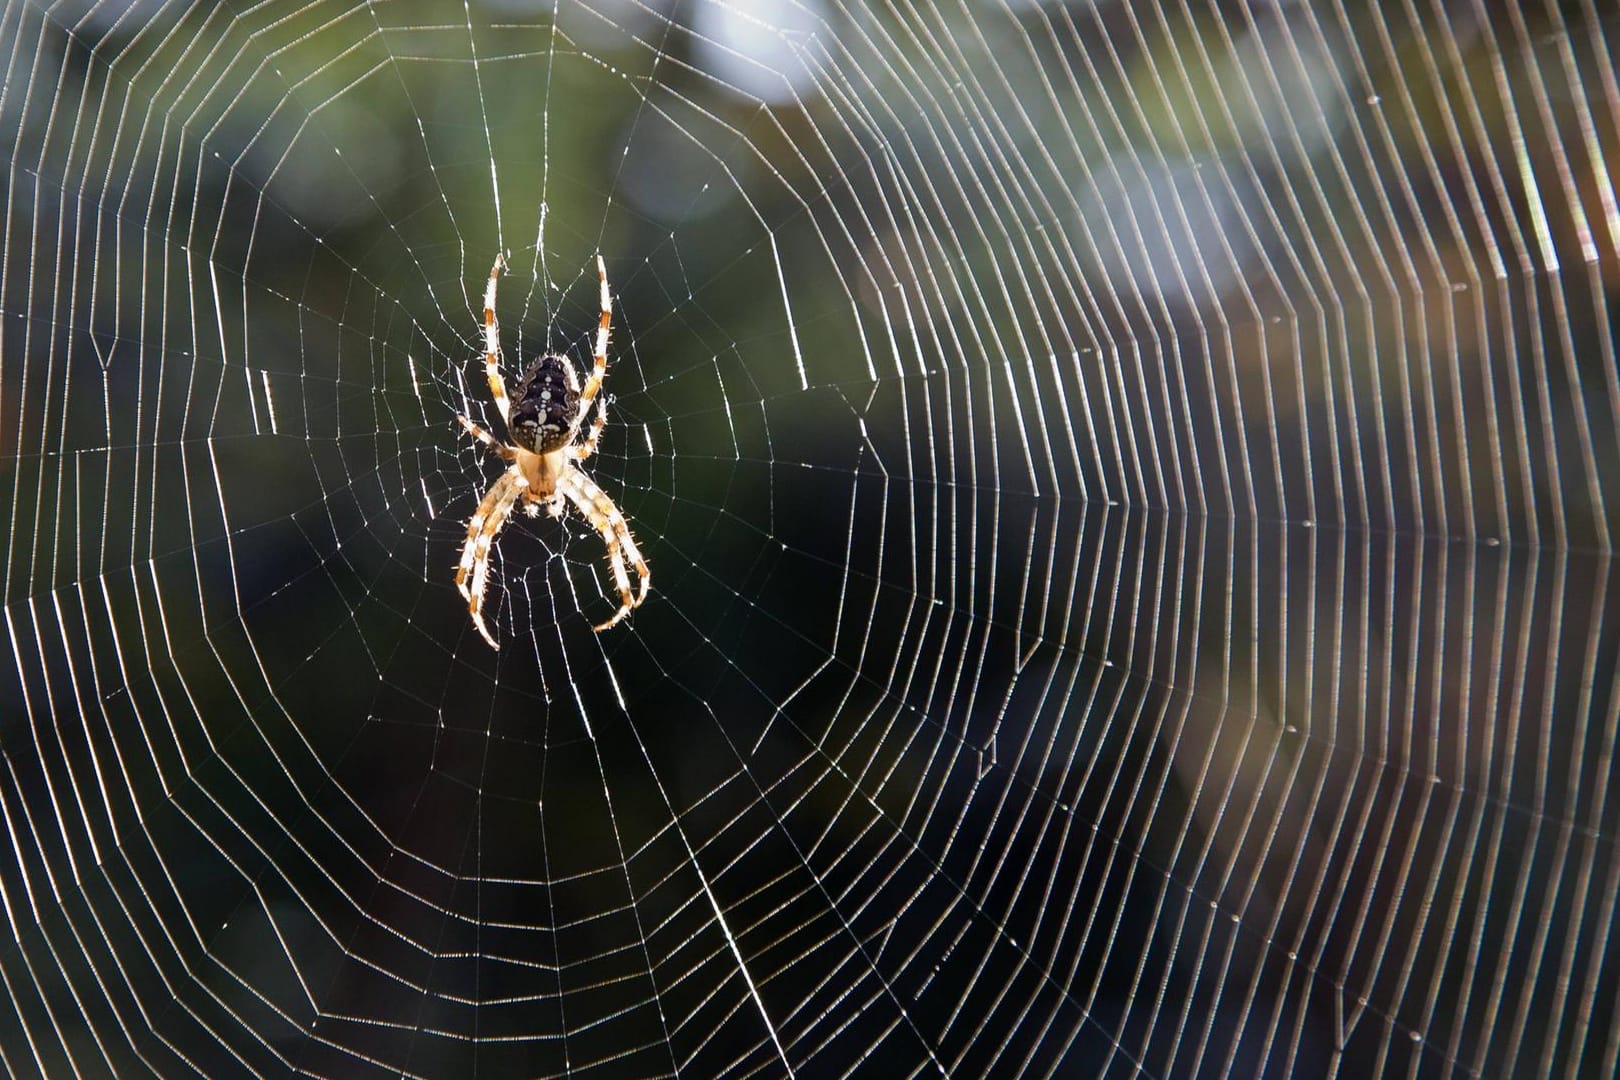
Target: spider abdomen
pixel 545 404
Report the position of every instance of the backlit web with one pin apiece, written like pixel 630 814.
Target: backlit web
pixel 1128 490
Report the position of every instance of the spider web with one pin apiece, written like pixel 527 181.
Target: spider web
pixel 1129 491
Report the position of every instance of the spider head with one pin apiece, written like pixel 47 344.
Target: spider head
pixel 545 405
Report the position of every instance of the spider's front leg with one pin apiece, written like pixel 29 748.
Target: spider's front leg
pixel 587 446
pixel 506 452
pixel 492 342
pixel 599 369
pixel 593 385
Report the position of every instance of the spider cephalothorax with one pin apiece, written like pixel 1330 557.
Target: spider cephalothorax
pixel 543 419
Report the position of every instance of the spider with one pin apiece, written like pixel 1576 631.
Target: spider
pixel 543 420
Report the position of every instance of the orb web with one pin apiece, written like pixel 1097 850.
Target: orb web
pixel 1129 491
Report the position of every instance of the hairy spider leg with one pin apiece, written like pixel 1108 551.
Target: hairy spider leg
pixel 594 383
pixel 606 519
pixel 492 342
pixel 486 522
pixel 587 446
pixel 506 452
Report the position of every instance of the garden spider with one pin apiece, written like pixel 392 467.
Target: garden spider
pixel 543 421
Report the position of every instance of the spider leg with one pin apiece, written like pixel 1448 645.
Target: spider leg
pixel 606 519
pixel 486 522
pixel 594 383
pixel 506 452
pixel 492 342
pixel 587 446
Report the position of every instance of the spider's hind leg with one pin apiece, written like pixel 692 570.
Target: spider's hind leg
pixel 609 523
pixel 472 575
